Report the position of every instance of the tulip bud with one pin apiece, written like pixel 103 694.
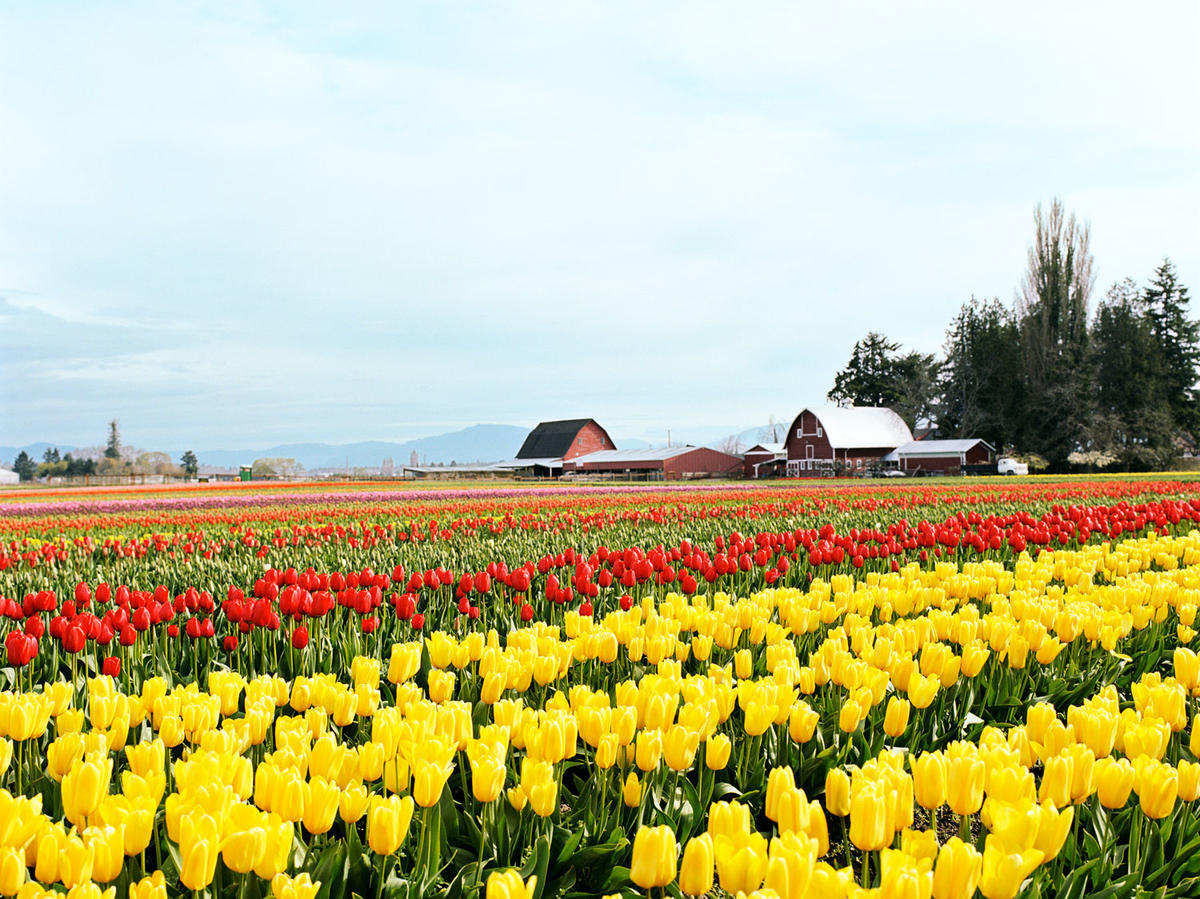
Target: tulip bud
pixel 869 826
pixel 837 792
pixel 508 885
pixel 655 854
pixel 696 868
pixel 717 751
pixel 1157 786
pixel 956 874
pixel 387 823
pixel 631 793
pixel 300 887
pixel 896 718
pixel 152 887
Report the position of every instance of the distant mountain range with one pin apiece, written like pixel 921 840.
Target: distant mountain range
pixel 478 443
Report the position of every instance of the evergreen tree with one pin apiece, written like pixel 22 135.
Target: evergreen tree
pixel 877 375
pixel 51 454
pixel 1053 313
pixel 917 379
pixel 867 379
pixel 1177 340
pixel 24 466
pixel 981 389
pixel 190 463
pixel 112 449
pixel 1132 418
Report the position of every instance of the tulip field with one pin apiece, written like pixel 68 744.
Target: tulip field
pixel 952 689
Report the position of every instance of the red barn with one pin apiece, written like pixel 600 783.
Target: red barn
pixel 666 463
pixel 829 439
pixel 553 442
pixel 941 456
pixel 764 460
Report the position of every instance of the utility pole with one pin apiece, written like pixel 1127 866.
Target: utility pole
pixel 668 438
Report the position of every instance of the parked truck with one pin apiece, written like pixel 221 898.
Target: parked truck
pixel 1006 466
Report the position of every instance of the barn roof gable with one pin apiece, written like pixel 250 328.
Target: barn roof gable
pixel 551 439
pixel 855 427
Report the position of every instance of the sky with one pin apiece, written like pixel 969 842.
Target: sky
pixel 242 224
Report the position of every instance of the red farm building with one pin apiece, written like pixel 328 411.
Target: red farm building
pixel 765 460
pixel 936 457
pixel 552 443
pixel 829 440
pixel 666 463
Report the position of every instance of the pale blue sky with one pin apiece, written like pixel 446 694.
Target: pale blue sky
pixel 279 222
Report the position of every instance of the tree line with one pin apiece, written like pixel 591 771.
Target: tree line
pixel 112 462
pixel 1047 377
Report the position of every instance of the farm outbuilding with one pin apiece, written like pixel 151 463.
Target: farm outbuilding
pixel 764 460
pixel 9 477
pixel 941 456
pixel 553 442
pixel 827 439
pixel 666 463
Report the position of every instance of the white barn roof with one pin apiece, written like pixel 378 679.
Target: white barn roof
pixel 634 455
pixel 854 427
pixel 777 449
pixel 930 448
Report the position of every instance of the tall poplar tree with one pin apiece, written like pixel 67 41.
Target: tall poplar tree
pixel 1053 312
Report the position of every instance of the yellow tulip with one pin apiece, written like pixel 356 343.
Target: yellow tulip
pixel 655 854
pixel 508 885
pixel 152 887
pixel 896 718
pixel 919 844
pixel 1189 781
pixel 1114 782
pixel 790 862
pixel 631 793
pixel 779 780
pixel 13 871
pixel 929 780
pixel 1056 781
pixel 1004 871
pixel 387 823
pixel 696 867
pixel 198 850
pixel 957 871
pixel 83 787
pixel 741 861
pixel 280 836
pixel 869 825
pixel 1157 786
pixel 679 747
pixel 107 845
pixel 300 887
pixel 716 752
pixel 320 805
pixel 1053 830
pixel 837 792
pixel 964 782
pixel 353 803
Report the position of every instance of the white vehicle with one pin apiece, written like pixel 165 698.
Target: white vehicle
pixel 1008 465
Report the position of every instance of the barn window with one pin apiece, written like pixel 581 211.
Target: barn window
pixel 820 433
pixel 800 431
